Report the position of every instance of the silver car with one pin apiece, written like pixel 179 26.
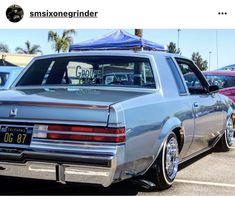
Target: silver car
pixel 62 121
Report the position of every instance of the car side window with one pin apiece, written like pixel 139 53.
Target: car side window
pixel 195 81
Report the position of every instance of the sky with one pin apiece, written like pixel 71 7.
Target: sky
pixel 215 46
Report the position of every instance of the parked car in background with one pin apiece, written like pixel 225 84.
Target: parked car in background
pixel 63 120
pixel 225 80
pixel 228 68
pixel 8 74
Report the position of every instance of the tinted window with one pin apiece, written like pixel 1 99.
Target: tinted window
pixel 3 78
pixel 90 71
pixel 194 79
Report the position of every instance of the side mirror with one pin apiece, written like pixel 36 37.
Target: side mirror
pixel 213 88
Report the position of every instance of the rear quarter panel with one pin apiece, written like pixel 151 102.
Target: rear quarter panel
pixel 149 119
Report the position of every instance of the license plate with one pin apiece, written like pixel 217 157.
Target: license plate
pixel 15 135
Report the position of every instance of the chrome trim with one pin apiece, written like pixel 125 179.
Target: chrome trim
pixel 65 122
pixel 51 104
pixel 70 156
pixel 86 144
pixel 13 112
pixel 195 154
pixel 16 125
pixel 129 89
pixel 58 155
pixel 60 172
pixel 13 145
pixel 77 149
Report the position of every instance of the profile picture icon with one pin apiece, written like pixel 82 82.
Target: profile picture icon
pixel 14 13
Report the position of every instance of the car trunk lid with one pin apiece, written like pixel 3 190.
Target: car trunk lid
pixel 71 105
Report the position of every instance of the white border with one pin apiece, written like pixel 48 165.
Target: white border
pixel 127 14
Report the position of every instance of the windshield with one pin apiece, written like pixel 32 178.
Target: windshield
pixel 90 71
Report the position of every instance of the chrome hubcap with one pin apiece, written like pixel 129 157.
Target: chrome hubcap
pixel 172 161
pixel 229 132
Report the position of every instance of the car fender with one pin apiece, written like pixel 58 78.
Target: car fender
pixel 168 125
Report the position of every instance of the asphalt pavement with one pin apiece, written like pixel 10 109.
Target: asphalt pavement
pixel 212 173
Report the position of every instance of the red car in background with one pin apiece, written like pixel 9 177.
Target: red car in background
pixel 225 80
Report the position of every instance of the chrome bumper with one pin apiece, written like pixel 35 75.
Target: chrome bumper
pixel 62 161
pixel 59 172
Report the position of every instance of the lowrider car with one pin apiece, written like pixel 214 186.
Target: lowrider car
pixel 61 121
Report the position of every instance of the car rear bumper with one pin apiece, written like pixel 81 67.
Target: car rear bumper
pixel 63 161
pixel 59 172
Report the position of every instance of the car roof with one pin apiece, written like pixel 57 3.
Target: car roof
pixel 9 68
pixel 228 73
pixel 228 66
pixel 110 52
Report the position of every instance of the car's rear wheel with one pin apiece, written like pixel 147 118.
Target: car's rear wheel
pixel 164 169
pixel 226 140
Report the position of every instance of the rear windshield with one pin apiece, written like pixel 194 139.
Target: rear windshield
pixel 3 78
pixel 90 71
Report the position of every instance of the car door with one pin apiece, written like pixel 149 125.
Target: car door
pixel 205 107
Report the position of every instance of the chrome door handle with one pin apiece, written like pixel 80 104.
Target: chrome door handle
pixel 196 105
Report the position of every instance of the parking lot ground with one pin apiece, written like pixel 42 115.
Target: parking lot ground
pixel 210 174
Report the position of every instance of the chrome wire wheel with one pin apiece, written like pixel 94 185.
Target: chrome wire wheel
pixel 171 158
pixel 164 169
pixel 229 132
pixel 226 141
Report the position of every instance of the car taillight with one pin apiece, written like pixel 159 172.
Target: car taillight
pixel 116 139
pixel 80 133
pixel 86 129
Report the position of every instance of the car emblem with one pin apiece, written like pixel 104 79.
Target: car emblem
pixel 13 112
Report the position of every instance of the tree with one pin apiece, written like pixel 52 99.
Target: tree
pixel 172 48
pixel 4 48
pixel 61 43
pixel 201 64
pixel 30 49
